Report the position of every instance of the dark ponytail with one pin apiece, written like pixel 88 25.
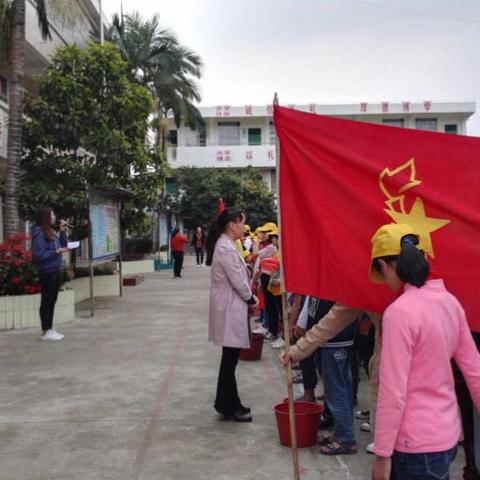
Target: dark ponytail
pixel 218 227
pixel 412 266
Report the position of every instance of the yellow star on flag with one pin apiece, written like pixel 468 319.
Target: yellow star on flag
pixel 421 224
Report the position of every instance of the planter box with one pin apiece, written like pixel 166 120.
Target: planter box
pixel 103 286
pixel 132 280
pixel 134 267
pixel 21 311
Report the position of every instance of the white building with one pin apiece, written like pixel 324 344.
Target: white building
pixel 239 136
pixel 78 30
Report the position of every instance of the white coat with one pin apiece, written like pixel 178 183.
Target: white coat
pixel 229 292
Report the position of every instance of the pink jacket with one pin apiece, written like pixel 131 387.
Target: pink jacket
pixel 423 330
pixel 229 292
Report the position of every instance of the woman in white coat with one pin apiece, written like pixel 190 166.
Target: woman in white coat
pixel 230 297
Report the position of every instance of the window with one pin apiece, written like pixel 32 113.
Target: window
pixel 271 133
pixel 393 122
pixel 195 138
pixel 191 137
pixel 254 136
pixel 451 128
pixel 229 133
pixel 3 89
pixel 273 180
pixel 426 124
pixel 172 138
pixel 202 136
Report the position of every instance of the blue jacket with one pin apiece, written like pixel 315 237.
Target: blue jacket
pixel 44 251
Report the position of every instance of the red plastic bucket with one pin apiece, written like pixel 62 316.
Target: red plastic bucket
pixel 255 350
pixel 307 418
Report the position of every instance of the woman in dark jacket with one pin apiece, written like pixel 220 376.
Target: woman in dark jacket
pixel 47 249
pixel 198 243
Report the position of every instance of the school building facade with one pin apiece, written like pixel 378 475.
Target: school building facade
pixel 241 136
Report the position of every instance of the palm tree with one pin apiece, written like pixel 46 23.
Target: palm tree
pixel 157 60
pixel 12 26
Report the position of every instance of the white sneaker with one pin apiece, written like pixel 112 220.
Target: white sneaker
pixel 369 448
pixel 279 343
pixel 270 337
pixel 58 333
pixel 365 427
pixel 261 330
pixel 51 336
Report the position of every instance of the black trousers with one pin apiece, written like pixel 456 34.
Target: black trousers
pixel 50 283
pixel 177 263
pixel 273 305
pixel 199 252
pixel 307 366
pixel 227 399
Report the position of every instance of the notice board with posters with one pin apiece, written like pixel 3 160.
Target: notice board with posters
pixel 105 235
pixel 105 225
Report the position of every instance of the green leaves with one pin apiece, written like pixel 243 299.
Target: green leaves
pixel 88 125
pixel 201 188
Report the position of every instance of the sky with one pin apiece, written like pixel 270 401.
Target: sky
pixel 327 51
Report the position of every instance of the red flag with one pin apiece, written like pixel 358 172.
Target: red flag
pixel 221 206
pixel 340 180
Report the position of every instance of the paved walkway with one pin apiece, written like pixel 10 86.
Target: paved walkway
pixel 128 396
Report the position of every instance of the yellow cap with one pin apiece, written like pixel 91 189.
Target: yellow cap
pixel 247 228
pixel 388 241
pixel 269 227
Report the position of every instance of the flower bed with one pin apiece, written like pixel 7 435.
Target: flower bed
pixel 18 275
pixel 20 288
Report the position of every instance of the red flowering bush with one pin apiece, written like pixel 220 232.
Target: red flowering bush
pixel 18 275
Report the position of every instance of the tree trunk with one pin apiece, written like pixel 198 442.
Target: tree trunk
pixel 14 145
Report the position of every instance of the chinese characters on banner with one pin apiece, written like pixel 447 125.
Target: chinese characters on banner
pixel 222 111
pixel 364 107
pixel 224 156
pixel 247 155
pixel 385 106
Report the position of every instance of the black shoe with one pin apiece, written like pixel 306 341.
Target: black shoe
pixel 238 416
pixel 243 409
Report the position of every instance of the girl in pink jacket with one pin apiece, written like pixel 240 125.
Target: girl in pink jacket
pixel 230 297
pixel 417 423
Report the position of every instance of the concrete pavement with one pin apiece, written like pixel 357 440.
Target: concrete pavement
pixel 128 395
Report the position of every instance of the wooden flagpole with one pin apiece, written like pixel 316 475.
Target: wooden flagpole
pixel 286 333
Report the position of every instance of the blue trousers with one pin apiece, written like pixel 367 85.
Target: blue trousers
pixel 423 466
pixel 337 379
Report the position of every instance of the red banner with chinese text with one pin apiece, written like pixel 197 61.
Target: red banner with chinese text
pixel 340 180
